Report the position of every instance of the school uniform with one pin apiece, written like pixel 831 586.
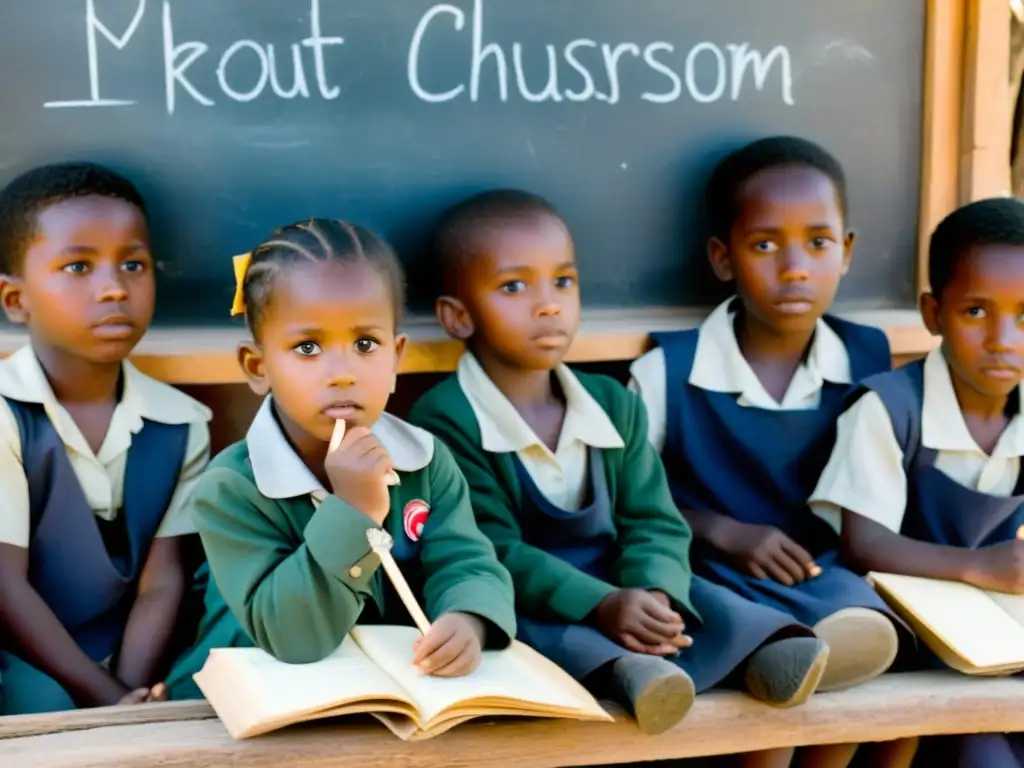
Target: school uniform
pixel 289 566
pixel 88 518
pixel 731 448
pixel 928 480
pixel 575 524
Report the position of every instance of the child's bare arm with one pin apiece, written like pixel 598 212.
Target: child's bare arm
pixel 871 546
pixel 153 616
pixel 41 640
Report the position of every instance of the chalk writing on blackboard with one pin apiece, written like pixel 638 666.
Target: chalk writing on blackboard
pixel 578 71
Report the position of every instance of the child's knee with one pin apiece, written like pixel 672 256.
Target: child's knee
pixel 27 691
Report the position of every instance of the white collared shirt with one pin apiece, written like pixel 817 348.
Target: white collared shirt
pixel 280 473
pixel 719 366
pixel 865 473
pixel 561 474
pixel 101 474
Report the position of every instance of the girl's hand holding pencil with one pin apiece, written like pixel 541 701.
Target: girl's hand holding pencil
pixel 360 471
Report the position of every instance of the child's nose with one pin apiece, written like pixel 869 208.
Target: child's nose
pixel 110 287
pixel 794 265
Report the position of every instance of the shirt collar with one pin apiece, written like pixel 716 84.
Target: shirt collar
pixel 503 430
pixel 22 378
pixel 942 422
pixel 719 365
pixel 280 473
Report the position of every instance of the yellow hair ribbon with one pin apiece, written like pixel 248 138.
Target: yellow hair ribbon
pixel 241 265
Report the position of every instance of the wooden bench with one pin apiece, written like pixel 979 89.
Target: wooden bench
pixel 187 734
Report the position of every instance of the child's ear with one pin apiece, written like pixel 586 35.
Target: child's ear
pixel 718 256
pixel 929 306
pixel 12 295
pixel 250 357
pixel 454 318
pixel 848 242
pixel 400 342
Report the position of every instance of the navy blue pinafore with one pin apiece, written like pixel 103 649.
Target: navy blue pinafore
pixel 85 569
pixel 760 466
pixel 941 511
pixel 730 628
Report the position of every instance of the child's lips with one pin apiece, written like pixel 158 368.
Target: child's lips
pixel 342 410
pixel 1002 373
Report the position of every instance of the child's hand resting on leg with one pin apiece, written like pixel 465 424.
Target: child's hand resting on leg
pixel 766 552
pixel 642 621
pixel 452 647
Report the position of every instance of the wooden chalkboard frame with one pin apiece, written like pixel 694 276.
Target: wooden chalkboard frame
pixel 965 156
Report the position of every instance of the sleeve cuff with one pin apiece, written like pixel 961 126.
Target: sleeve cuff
pixel 336 539
pixel 578 598
pixel 497 614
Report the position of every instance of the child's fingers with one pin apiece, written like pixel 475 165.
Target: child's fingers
pixel 464 663
pixel 757 571
pixel 681 641
pixel 630 643
pixel 1020 533
pixel 793 567
pixel 659 611
pixel 444 655
pixel 664 630
pixel 438 635
pixel 138 696
pixel 647 631
pixel 809 568
pixel 157 693
pixel 336 436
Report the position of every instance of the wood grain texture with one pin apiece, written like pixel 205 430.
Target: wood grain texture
pixel 941 123
pixel 986 112
pixel 720 723
pixel 198 356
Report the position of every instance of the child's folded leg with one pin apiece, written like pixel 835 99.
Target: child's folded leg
pixel 27 691
pixel 659 693
pixel 786 672
pixel 863 644
pixel 780 658
pixel 655 691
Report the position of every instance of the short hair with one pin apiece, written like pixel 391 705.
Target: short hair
pixel 994 221
pixel 457 226
pixel 317 240
pixel 24 197
pixel 738 167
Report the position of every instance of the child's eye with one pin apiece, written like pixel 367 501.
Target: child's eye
pixel 367 345
pixel 565 282
pixel 819 243
pixel 513 286
pixel 76 268
pixel 307 348
pixel 766 246
pixel 133 266
pixel 975 312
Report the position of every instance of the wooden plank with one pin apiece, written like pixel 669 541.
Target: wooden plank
pixel 208 355
pixel 102 717
pixel 986 126
pixel 889 707
pixel 943 99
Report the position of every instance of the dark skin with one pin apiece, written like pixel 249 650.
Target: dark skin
pixel 86 292
pixel 980 317
pixel 327 348
pixel 787 251
pixel 517 305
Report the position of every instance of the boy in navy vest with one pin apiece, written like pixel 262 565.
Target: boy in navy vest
pixel 564 482
pixel 926 468
pixel 743 409
pixel 96 459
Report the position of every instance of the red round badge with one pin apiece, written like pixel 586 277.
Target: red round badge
pixel 415 517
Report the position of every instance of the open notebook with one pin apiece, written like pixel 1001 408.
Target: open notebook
pixel 972 630
pixel 372 673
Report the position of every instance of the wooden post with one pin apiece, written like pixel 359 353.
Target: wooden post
pixel 943 99
pixel 985 130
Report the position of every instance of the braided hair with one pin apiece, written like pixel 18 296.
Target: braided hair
pixel 317 240
pixel 774 152
pixel 23 198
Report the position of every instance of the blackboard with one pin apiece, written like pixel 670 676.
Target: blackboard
pixel 398 110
